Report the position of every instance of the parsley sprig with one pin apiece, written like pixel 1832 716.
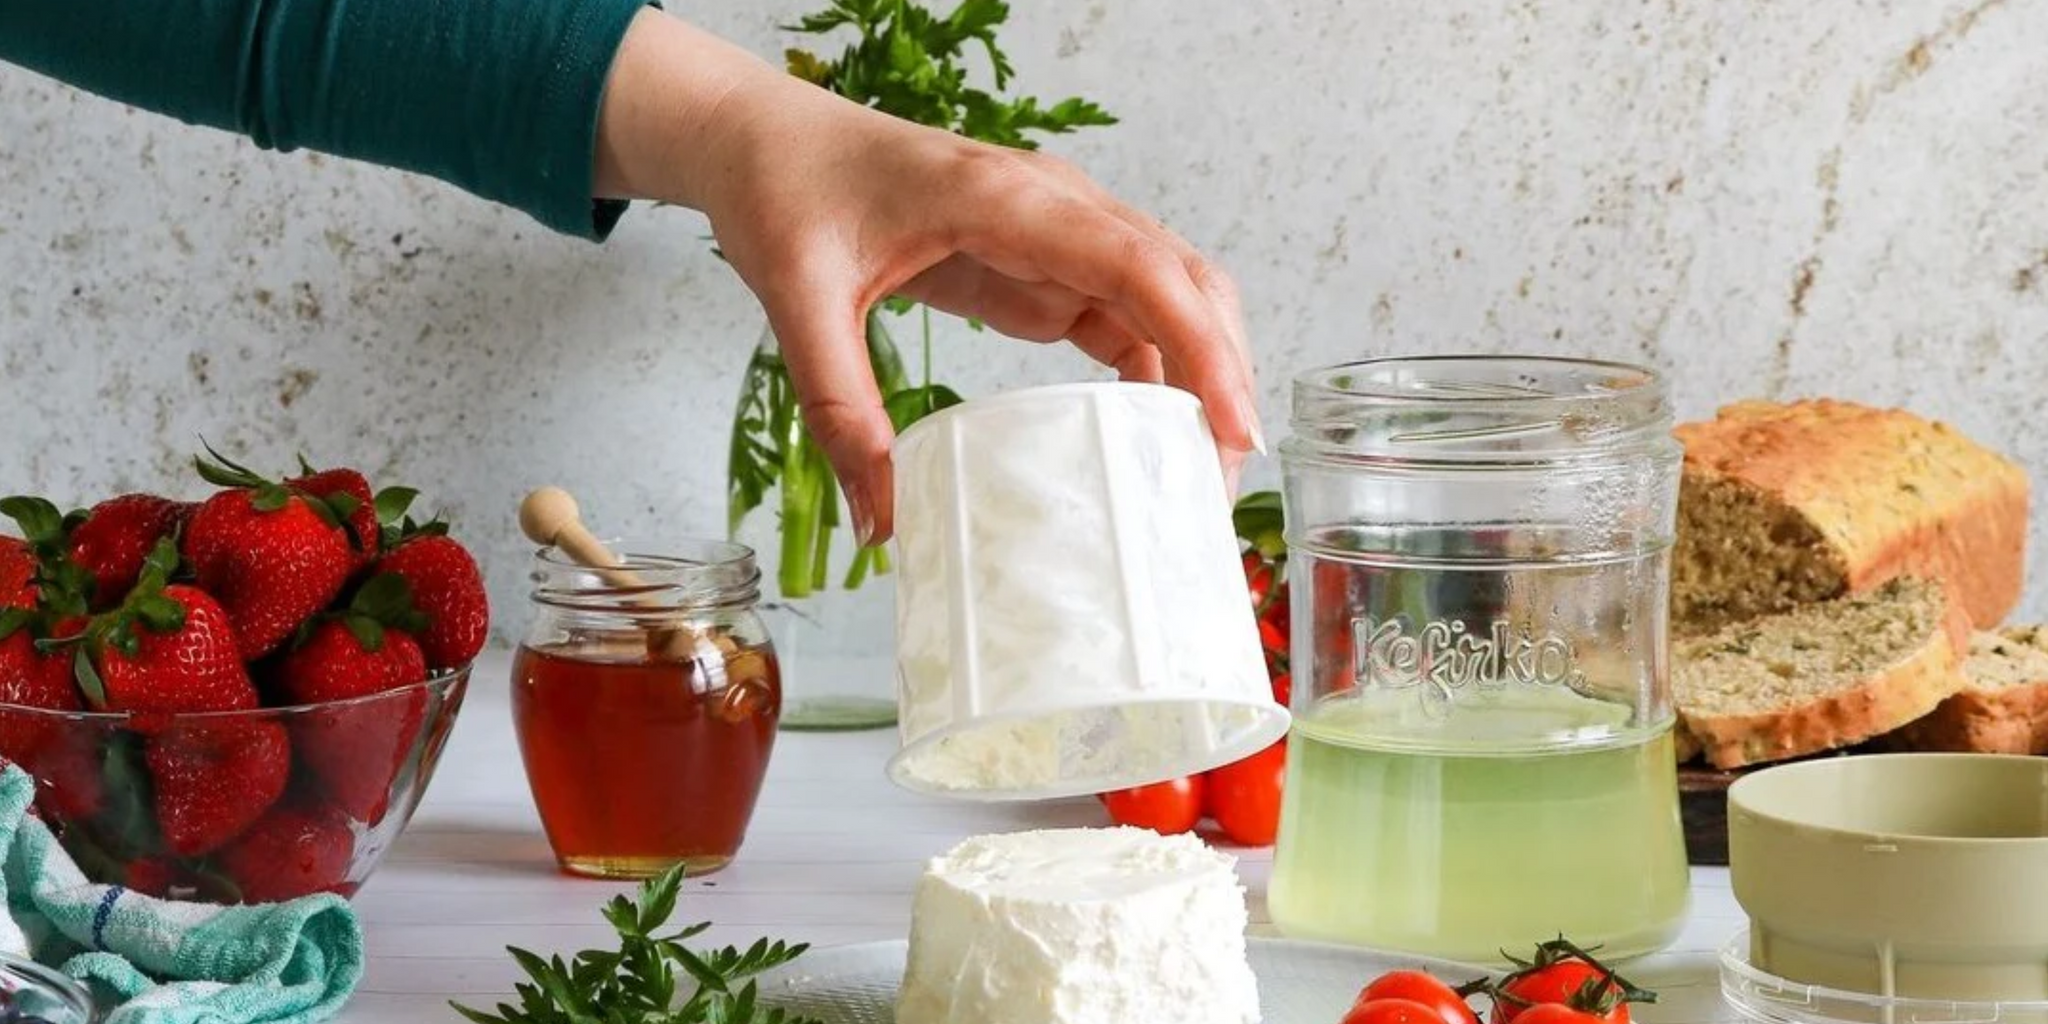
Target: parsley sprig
pixel 910 62
pixel 639 983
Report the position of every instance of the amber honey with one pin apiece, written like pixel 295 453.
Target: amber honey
pixel 638 764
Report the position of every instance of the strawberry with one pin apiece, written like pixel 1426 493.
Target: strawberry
pixel 61 756
pixel 354 752
pixel 152 876
pixel 181 658
pixel 37 572
pixel 70 785
pixel 117 536
pixel 365 532
pixel 449 590
pixel 295 850
pixel 212 780
pixel 274 556
pixel 17 574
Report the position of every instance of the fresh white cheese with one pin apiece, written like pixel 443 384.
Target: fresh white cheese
pixel 1079 926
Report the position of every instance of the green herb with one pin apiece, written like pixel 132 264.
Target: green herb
pixel 911 63
pixel 642 980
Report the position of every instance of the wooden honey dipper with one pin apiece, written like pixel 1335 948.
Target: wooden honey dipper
pixel 549 517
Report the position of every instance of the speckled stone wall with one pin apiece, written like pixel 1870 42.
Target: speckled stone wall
pixel 1762 198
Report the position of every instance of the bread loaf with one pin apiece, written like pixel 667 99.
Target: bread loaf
pixel 1823 676
pixel 2003 706
pixel 1786 504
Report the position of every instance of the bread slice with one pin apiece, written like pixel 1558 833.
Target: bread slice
pixel 1684 744
pixel 1827 675
pixel 1782 504
pixel 2003 709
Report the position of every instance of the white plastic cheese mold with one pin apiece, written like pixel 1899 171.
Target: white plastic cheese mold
pixel 1071 611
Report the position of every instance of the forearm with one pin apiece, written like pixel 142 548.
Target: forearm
pixel 500 97
pixel 672 96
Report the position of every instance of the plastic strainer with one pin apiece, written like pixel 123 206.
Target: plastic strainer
pixel 1071 613
pixel 1901 876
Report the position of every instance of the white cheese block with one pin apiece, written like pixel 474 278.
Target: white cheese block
pixel 1079 926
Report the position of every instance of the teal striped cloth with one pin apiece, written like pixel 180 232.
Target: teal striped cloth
pixel 154 961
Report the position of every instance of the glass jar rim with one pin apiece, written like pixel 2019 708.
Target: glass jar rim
pixel 686 573
pixel 1480 410
pixel 1323 381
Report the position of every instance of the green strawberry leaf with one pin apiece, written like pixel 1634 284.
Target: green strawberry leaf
pixel 75 519
pixel 393 501
pixel 306 468
pixel 39 520
pixel 90 685
pixel 368 631
pixel 343 503
pixel 222 471
pixel 271 498
pixel 128 813
pixel 386 600
pixel 13 620
pixel 160 613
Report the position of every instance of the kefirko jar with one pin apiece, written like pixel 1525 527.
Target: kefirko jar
pixel 1479 566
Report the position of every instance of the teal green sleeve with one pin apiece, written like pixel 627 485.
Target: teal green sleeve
pixel 498 97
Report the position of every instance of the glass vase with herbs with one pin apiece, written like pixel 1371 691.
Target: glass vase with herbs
pixel 830 600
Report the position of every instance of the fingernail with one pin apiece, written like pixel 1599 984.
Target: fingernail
pixel 1251 419
pixel 863 517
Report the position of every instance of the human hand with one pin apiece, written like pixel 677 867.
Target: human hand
pixel 825 208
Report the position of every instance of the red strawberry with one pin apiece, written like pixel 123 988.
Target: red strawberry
pixel 449 590
pixel 273 556
pixel 152 876
pixel 213 780
pixel 360 504
pixel 169 648
pixel 17 574
pixel 117 536
pixel 355 752
pixel 70 782
pixel 293 851
pixel 60 755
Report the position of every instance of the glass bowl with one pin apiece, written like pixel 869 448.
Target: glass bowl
pixel 255 806
pixel 29 989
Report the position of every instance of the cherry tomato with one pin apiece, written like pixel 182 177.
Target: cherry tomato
pixel 1571 983
pixel 1258 577
pixel 1421 987
pixel 1392 1011
pixel 1274 637
pixel 1559 1013
pixel 1283 689
pixel 1244 798
pixel 1168 808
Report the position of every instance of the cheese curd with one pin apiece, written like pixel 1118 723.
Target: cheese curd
pixel 1079 926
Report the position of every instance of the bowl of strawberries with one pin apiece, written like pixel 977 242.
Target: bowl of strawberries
pixel 239 698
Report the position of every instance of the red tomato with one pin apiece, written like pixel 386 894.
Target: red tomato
pixel 1571 983
pixel 1244 798
pixel 1559 1013
pixel 1421 987
pixel 1392 1011
pixel 1274 637
pixel 1168 808
pixel 1283 689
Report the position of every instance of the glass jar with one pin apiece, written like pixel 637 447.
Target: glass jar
pixel 831 603
pixel 1479 568
pixel 645 698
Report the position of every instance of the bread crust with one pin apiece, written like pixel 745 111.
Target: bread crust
pixel 1984 718
pixel 1890 494
pixel 1887 700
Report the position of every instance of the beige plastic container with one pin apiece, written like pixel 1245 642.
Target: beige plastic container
pixel 1071 608
pixel 1909 876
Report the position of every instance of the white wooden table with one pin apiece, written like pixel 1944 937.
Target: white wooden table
pixel 830 858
